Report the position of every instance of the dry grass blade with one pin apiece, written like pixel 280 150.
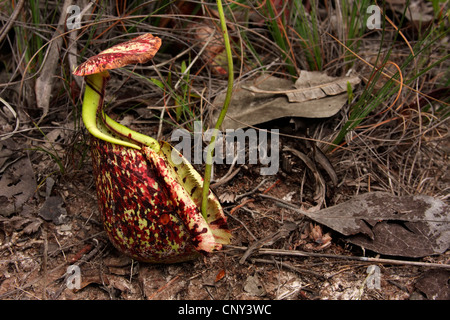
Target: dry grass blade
pixel 44 83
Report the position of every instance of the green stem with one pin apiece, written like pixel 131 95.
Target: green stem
pixel 223 112
pixel 130 134
pixel 93 103
pixel 93 106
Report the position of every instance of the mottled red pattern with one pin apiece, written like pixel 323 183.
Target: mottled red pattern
pixel 138 215
pixel 138 50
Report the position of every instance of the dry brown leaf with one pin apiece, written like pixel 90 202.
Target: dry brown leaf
pixel 435 284
pixel 209 39
pixel 410 226
pixel 312 85
pixel 315 85
pixel 26 223
pixel 53 210
pixel 254 286
pixel 265 99
pixel 44 83
pixel 220 275
pixel 17 186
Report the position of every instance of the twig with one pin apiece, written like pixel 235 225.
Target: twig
pixel 282 232
pixel 44 83
pixel 226 178
pixel 282 202
pixel 45 262
pixel 255 246
pixel 320 182
pixel 245 227
pixel 254 190
pixel 11 20
pixel 295 253
pixel 163 287
pixel 241 205
pixel 239 196
pixel 290 267
pixel 229 175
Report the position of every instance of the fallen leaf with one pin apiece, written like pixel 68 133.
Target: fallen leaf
pixel 265 99
pixel 45 81
pixel 316 85
pixel 53 210
pixel 220 275
pixel 26 223
pixel 409 226
pixel 227 197
pixel 17 186
pixel 254 286
pixel 92 276
pixel 317 234
pixel 312 85
pixel 33 226
pixel 420 13
pixel 435 284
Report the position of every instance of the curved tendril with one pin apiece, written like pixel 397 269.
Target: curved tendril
pixel 92 103
pixel 130 134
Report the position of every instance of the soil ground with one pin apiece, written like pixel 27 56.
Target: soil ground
pixel 34 264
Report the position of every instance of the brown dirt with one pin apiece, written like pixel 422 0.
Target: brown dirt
pixel 34 265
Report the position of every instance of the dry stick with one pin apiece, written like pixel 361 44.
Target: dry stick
pixel 295 253
pixel 252 200
pixel 245 227
pixel 45 82
pixel 163 287
pixel 226 178
pixel 45 262
pixel 4 31
pixel 290 267
pixel 271 238
pixel 241 205
pixel 310 254
pixel 240 196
